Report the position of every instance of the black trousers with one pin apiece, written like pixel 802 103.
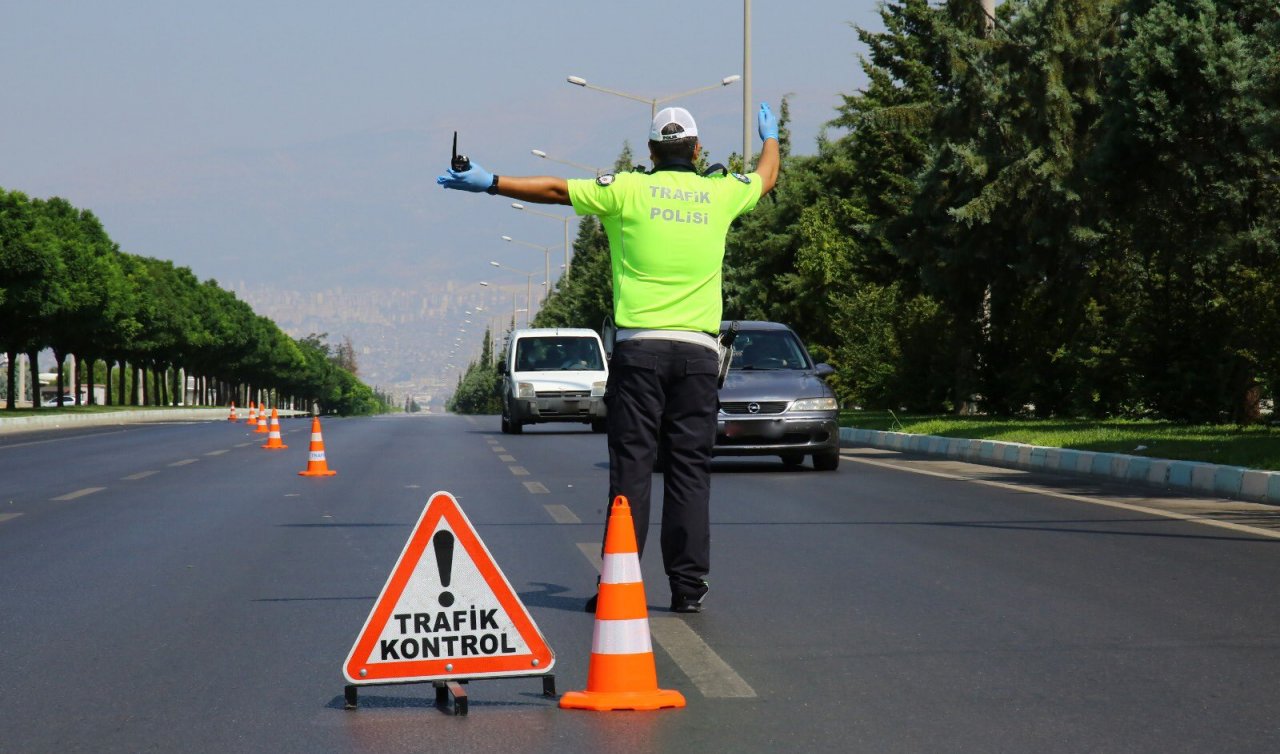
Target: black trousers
pixel 665 389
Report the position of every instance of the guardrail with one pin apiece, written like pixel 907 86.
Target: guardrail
pixel 1232 482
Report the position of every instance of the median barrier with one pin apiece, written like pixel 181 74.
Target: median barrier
pixel 56 419
pixel 1232 482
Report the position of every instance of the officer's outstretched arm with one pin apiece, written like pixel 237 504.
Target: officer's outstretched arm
pixel 541 189
pixel 767 165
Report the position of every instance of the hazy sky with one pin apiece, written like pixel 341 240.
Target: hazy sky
pixel 297 143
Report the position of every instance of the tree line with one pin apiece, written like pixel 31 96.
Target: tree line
pixel 142 325
pixel 1067 210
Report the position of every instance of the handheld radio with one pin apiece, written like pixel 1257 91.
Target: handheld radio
pixel 725 341
pixel 459 163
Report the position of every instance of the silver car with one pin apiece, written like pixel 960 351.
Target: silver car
pixel 774 400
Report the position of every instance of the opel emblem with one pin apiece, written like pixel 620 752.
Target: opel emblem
pixel 753 408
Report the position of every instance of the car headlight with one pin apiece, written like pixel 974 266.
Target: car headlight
pixel 525 390
pixel 815 404
pixel 597 388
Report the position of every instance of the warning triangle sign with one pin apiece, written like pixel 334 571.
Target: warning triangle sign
pixel 446 612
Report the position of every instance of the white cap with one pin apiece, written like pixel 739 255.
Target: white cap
pixel 667 116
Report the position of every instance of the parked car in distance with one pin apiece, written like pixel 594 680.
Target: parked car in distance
pixel 67 400
pixel 774 400
pixel 553 375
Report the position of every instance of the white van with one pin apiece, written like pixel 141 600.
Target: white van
pixel 554 374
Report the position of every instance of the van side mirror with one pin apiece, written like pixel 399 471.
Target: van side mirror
pixel 823 371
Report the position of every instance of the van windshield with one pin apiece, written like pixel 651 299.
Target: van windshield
pixel 548 354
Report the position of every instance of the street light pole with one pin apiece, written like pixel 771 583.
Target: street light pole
pixel 546 262
pixel 746 86
pixel 653 101
pixel 565 220
pixel 528 290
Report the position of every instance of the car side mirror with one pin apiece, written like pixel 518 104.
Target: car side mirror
pixel 823 370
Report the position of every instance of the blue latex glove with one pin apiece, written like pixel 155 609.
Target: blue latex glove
pixel 476 179
pixel 767 122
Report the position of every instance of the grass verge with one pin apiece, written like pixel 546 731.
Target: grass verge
pixel 1256 447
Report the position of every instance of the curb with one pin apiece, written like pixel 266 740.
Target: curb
pixel 55 420
pixel 1232 482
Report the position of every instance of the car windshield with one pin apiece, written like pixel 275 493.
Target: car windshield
pixel 767 349
pixel 551 354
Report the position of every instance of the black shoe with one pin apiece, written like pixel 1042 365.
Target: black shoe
pixel 590 607
pixel 689 603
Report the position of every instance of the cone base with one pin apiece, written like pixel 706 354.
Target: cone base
pixel 603 701
pixel 309 472
pixel 275 447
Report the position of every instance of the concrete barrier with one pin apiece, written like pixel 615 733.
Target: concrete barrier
pixel 55 419
pixel 1231 482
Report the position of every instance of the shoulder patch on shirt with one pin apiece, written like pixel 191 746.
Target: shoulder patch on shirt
pixel 604 180
pixel 744 178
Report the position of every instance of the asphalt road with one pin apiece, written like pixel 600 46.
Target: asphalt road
pixel 176 588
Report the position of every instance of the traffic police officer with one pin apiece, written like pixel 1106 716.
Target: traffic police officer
pixel 666 231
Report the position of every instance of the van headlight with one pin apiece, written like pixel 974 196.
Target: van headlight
pixel 597 388
pixel 815 404
pixel 525 390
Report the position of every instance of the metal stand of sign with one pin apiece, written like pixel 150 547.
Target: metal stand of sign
pixel 446 690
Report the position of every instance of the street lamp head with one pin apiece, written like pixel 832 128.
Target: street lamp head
pixel 517 205
pixel 495 264
pixel 727 80
pixel 486 285
pixel 506 238
pixel 577 81
pixel 538 153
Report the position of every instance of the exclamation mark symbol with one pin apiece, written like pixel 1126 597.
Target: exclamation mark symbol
pixel 443 542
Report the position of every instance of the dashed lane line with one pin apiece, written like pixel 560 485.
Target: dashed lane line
pixel 507 459
pixel 79 493
pixel 561 514
pixel 216 452
pixel 518 470
pixel 140 475
pixel 8 517
pixel 244 444
pixel 536 488
pixel 497 449
pixel 712 675
pixel 184 462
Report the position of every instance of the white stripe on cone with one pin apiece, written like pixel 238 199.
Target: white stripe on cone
pixel 620 568
pixel 621 637
pixel 316 455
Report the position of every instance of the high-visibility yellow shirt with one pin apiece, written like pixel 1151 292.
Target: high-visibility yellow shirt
pixel 666 235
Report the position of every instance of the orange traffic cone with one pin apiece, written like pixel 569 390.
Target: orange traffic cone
pixel 262 422
pixel 316 465
pixel 233 416
pixel 273 439
pixel 252 421
pixel 622 674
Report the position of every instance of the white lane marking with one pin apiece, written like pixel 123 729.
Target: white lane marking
pixel 519 470
pixel 562 515
pixel 140 475
pixel 215 452
pixel 497 449
pixel 8 517
pixel 60 439
pixel 80 493
pixel 591 551
pixel 244 444
pixel 1032 489
pixel 184 462
pixel 507 459
pixel 536 488
pixel 712 675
